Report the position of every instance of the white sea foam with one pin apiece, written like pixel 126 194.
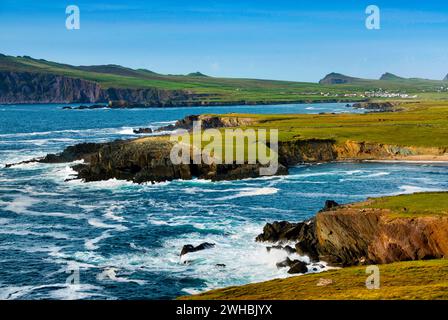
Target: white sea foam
pixel 112 213
pixel 51 234
pixel 21 204
pixel 76 292
pixel 105 184
pixel 91 244
pixel 407 189
pixel 377 174
pixel 100 224
pixel 126 131
pixel 110 274
pixel 4 220
pixel 250 192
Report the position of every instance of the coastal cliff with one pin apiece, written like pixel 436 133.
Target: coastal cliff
pixel 369 233
pixel 406 236
pixel 351 235
pixel 29 87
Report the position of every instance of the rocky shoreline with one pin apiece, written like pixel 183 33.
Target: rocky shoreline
pixel 112 104
pixel 353 234
pixel 148 159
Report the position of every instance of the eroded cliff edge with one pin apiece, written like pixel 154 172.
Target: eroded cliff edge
pixel 29 87
pixel 367 233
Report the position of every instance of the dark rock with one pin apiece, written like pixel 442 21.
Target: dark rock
pixel 329 205
pixel 93 106
pixel 309 151
pixel 285 263
pixel 303 233
pixel 142 130
pixel 288 249
pixel 81 151
pixel 221 265
pixel 298 267
pixel 376 106
pixel 190 248
pixel 280 231
pixel 295 266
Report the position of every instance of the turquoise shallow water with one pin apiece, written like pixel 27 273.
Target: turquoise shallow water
pixel 125 239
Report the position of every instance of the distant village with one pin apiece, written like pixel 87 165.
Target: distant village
pixel 372 94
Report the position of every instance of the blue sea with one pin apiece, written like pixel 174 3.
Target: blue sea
pixel 123 240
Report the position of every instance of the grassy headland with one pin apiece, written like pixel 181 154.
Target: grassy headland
pixel 411 205
pixel 420 124
pixel 399 281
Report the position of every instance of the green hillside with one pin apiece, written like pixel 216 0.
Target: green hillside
pixel 230 89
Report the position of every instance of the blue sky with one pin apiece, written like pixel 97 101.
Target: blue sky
pixel 290 40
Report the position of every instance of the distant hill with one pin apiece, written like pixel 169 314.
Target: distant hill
pixel 196 74
pixel 390 77
pixel 446 78
pixel 115 69
pixel 338 78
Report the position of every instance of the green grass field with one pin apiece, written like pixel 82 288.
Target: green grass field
pixel 412 205
pixel 422 280
pixel 419 125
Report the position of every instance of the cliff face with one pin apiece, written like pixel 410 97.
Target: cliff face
pixel 27 87
pixel 302 151
pixel 208 121
pixel 151 97
pixel 350 236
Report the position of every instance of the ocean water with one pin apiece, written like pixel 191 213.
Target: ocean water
pixel 124 239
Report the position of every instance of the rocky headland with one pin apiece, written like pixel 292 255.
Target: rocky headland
pixel 357 234
pixel 406 240
pixel 147 159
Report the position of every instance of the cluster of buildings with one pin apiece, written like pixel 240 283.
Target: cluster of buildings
pixel 373 94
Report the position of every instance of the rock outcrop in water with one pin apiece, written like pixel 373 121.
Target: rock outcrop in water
pixel 376 106
pixel 351 235
pixel 188 248
pixel 208 122
pixel 144 160
pixel 149 161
